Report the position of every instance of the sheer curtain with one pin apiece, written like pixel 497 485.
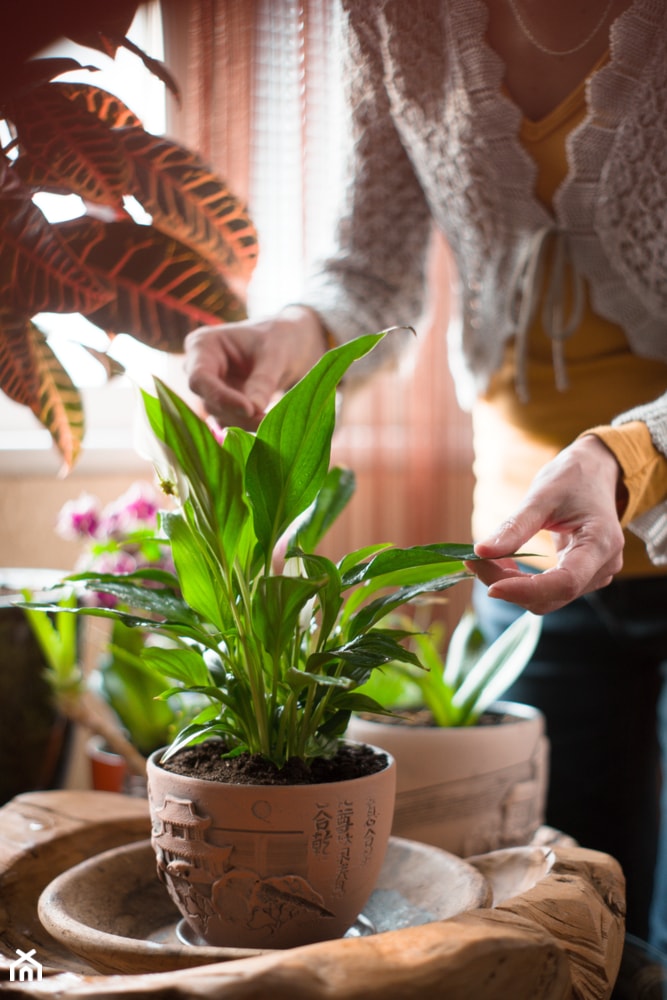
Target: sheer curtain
pixel 262 103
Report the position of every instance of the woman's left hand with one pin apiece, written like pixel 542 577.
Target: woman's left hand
pixel 575 496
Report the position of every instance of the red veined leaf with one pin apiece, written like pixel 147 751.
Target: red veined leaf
pixel 69 143
pixel 18 366
pixel 189 202
pixel 163 289
pixel 105 106
pixel 59 406
pixel 37 272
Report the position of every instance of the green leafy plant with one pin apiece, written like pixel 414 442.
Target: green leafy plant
pixel 279 651
pixel 155 281
pixel 57 636
pixel 458 681
pixel 133 691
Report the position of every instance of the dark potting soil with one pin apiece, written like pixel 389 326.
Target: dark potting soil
pixel 206 761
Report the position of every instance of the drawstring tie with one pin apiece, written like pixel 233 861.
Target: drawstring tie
pixel 530 286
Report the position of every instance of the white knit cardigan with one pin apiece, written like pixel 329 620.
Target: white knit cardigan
pixel 433 138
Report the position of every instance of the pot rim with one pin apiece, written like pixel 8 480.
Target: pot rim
pixel 517 711
pixel 153 762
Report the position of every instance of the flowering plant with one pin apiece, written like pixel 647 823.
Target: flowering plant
pixel 120 538
pixel 278 652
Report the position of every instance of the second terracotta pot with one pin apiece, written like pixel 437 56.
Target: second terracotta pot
pixel 269 866
pixel 467 789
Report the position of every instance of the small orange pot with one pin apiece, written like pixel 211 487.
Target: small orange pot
pixel 108 770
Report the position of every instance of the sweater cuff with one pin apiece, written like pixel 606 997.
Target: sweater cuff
pixel 644 468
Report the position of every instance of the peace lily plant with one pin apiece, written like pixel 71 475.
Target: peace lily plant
pixel 457 681
pixel 278 649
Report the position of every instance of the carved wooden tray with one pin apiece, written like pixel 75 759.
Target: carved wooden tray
pixel 114 912
pixel 560 937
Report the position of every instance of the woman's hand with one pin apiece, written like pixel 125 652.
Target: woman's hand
pixel 237 369
pixel 575 496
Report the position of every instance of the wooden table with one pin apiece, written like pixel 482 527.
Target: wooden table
pixel 562 938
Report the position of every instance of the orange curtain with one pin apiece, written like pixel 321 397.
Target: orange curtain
pixel 209 49
pixel 403 433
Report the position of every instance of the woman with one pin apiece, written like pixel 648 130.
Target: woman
pixel 534 135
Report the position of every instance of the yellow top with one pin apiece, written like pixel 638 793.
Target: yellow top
pixel 514 439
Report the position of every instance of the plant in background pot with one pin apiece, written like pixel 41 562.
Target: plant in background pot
pixel 279 650
pixel 472 771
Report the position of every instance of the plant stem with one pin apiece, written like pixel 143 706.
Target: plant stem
pixel 91 712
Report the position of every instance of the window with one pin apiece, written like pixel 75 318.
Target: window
pixel 296 160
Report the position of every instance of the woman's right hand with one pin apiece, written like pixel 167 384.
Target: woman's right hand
pixel 237 369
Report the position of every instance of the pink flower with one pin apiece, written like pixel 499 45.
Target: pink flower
pixel 79 518
pixel 136 508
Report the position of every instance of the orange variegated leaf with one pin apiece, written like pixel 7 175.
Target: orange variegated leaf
pixel 189 202
pixel 162 288
pixel 70 145
pixel 59 406
pixel 19 377
pixel 105 106
pixel 37 272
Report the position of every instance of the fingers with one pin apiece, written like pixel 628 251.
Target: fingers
pixel 238 369
pixel 574 497
pixel 222 367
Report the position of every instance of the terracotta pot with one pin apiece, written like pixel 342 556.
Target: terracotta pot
pixel 269 866
pixel 109 771
pixel 470 789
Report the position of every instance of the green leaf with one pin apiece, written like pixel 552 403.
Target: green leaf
pixel 353 566
pixel 382 606
pixel 290 457
pixel 276 607
pixel 214 473
pixel 329 596
pixel 184 665
pixel 391 561
pixel 336 492
pixel 197 571
pixel 464 648
pixel 299 679
pixel 499 665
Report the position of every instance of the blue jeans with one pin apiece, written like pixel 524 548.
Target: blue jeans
pixel 597 674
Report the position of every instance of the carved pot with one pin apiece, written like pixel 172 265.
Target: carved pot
pixel 469 789
pixel 269 866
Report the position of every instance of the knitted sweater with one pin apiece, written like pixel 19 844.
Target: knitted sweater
pixel 433 138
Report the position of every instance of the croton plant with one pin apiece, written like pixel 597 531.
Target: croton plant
pixel 156 281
